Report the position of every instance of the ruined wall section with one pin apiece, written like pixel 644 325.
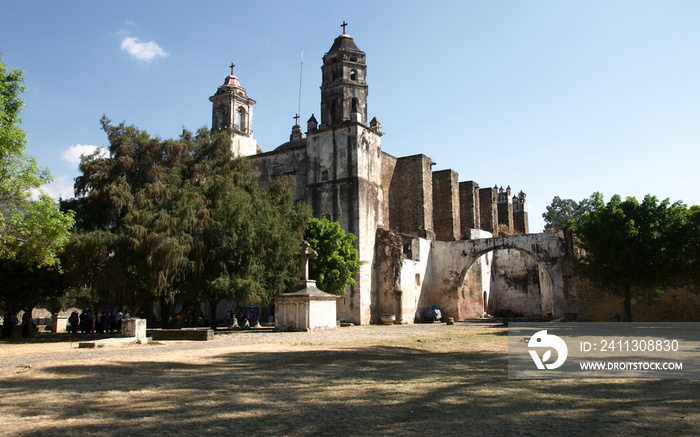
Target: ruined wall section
pixel 468 208
pixel 520 219
pixel 411 197
pixel 400 268
pixel 505 210
pixel 446 222
pixel 515 284
pixel 488 198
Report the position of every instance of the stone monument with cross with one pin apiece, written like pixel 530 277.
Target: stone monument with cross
pixel 305 307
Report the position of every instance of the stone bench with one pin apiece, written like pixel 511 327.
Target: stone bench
pixel 117 341
pixel 183 334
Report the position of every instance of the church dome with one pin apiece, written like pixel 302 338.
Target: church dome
pixel 342 43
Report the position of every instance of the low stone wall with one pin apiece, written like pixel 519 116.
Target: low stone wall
pixel 675 305
pixel 183 334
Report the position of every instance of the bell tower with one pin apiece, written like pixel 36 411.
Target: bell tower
pixel 232 109
pixel 343 87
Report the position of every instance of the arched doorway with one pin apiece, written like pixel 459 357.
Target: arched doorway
pixel 506 281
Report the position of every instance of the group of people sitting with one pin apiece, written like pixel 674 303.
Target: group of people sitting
pixel 88 322
pixel 241 319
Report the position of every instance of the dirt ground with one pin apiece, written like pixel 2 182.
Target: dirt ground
pixel 376 380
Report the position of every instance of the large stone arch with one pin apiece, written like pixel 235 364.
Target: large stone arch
pixel 450 263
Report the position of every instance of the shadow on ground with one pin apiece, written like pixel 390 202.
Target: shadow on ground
pixel 375 390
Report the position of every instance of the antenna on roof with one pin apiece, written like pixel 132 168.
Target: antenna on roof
pixel 301 72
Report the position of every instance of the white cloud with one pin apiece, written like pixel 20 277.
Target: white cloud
pixel 143 51
pixel 59 188
pixel 72 154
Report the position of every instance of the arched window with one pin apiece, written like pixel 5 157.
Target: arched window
pixel 354 105
pixel 353 75
pixel 331 115
pixel 241 120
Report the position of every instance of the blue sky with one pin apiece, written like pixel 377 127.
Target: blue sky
pixel 549 97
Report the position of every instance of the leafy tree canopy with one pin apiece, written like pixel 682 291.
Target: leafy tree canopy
pixel 182 220
pixel 631 245
pixel 338 259
pixel 32 232
pixel 563 214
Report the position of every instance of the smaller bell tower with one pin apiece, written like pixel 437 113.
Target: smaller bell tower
pixel 232 109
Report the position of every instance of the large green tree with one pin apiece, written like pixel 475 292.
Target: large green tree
pixel 338 260
pixel 135 218
pixel 251 233
pixel 32 231
pixel 628 245
pixel 180 221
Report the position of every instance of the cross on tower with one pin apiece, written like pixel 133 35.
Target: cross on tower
pixel 343 25
pixel 232 65
pixel 306 254
pixel 296 119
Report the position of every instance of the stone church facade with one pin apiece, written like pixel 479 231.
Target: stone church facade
pixel 398 207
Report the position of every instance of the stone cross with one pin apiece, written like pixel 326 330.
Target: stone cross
pixel 343 26
pixel 232 65
pixel 296 119
pixel 306 254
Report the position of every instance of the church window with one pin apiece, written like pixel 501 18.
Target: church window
pixel 324 175
pixel 354 105
pixel 332 116
pixel 353 75
pixel 417 278
pixel 241 120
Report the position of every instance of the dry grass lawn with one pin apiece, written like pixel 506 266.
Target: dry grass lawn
pixel 453 382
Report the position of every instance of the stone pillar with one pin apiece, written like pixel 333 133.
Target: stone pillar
pixel 468 207
pixel 134 327
pixel 411 197
pixel 59 324
pixel 505 209
pixel 489 215
pixel 446 205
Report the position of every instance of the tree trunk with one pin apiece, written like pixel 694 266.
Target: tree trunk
pixel 28 327
pixel 166 314
pixel 7 324
pixel 213 303
pixel 628 304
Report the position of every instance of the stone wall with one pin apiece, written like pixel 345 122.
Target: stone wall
pixel 469 207
pixel 521 224
pixel 515 284
pixel 505 210
pixel 411 197
pixel 488 211
pixel 292 162
pixel 674 305
pixel 446 205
